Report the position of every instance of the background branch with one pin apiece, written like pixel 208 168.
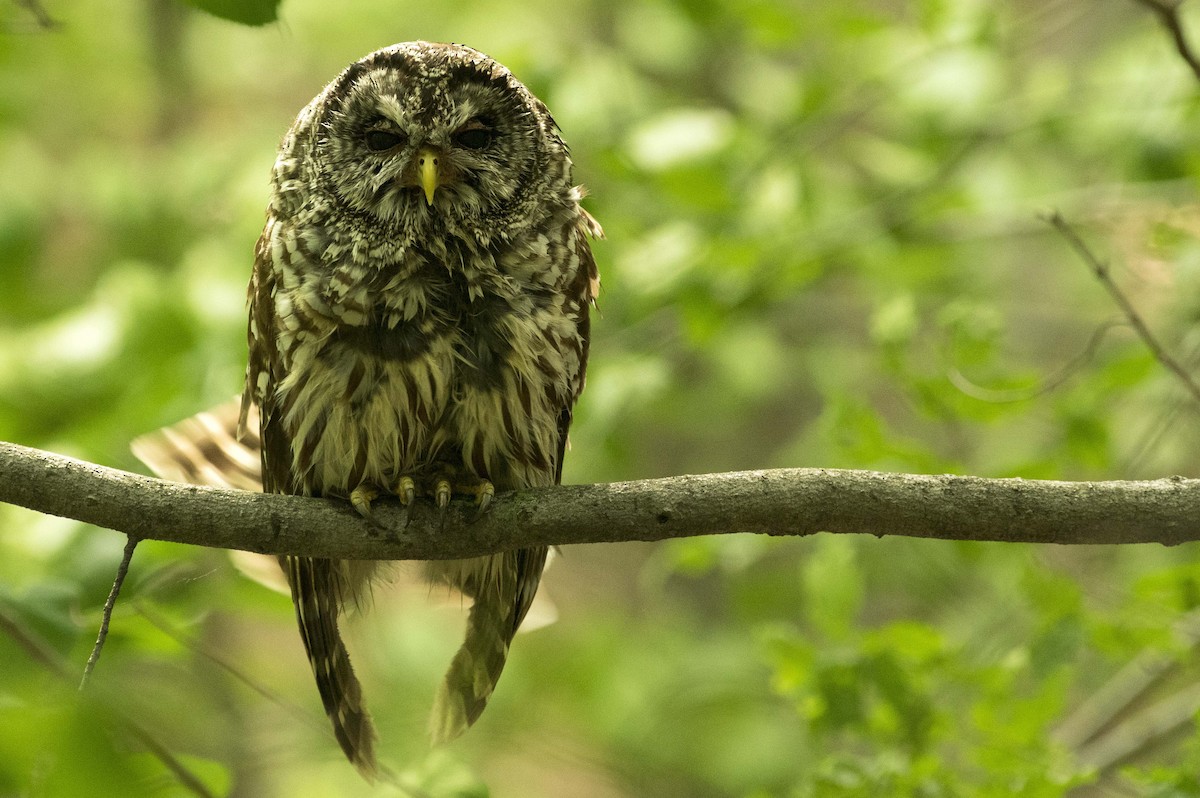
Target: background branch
pixel 1101 270
pixel 40 15
pixel 776 502
pixel 1167 12
pixel 38 649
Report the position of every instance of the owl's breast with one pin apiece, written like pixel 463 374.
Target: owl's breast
pixel 384 339
pixel 518 364
pixel 363 401
pixel 396 370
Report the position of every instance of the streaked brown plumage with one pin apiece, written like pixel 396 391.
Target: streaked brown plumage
pixel 418 311
pixel 418 322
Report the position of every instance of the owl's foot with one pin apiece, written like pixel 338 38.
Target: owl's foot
pixel 441 497
pixel 484 493
pixel 441 489
pixel 406 491
pixel 361 498
pixel 482 489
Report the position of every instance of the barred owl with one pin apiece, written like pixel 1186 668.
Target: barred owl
pixel 418 329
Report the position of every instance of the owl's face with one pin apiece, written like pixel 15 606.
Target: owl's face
pixel 427 134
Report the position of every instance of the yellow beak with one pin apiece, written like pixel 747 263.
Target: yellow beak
pixel 428 173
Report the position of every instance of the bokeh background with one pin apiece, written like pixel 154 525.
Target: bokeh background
pixel 824 249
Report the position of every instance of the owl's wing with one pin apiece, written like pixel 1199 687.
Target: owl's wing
pixel 583 290
pixel 318 586
pixel 261 369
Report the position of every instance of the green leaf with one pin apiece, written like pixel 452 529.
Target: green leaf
pixel 247 12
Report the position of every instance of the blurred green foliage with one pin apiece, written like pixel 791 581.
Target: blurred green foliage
pixel 823 250
pixel 247 12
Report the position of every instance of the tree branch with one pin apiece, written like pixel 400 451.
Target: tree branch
pixel 1167 12
pixel 779 502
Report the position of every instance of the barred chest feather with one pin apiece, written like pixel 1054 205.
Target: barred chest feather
pixel 447 357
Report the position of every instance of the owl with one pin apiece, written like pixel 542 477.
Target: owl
pixel 418 329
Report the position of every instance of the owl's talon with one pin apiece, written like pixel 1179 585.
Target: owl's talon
pixel 406 490
pixel 441 497
pixel 360 499
pixel 441 494
pixel 487 491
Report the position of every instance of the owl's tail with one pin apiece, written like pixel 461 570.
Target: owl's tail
pixel 503 587
pixel 317 588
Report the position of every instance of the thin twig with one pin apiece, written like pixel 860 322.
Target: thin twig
pixel 385 775
pixel 38 649
pixel 185 777
pixel 1168 14
pixel 161 624
pixel 1163 423
pixel 1048 384
pixel 1101 270
pixel 109 603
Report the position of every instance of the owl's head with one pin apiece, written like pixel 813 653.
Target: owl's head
pixel 422 135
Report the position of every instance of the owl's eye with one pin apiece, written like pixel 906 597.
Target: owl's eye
pixel 381 140
pixel 476 136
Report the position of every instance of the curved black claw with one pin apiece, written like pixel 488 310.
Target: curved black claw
pixel 361 498
pixel 487 491
pixel 441 497
pixel 406 491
